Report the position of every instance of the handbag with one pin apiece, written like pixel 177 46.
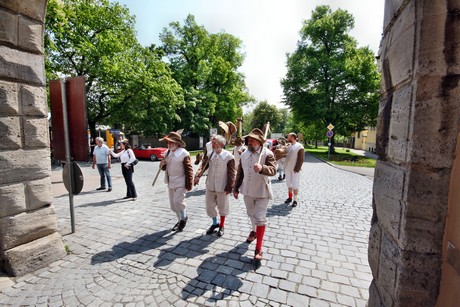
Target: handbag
pixel 135 161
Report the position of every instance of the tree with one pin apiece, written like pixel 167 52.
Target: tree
pixel 126 84
pixel 206 66
pixel 265 112
pixel 329 79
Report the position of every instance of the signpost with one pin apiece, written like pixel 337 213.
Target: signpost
pixel 329 134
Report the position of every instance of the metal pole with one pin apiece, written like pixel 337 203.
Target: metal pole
pixel 67 152
pixel 329 149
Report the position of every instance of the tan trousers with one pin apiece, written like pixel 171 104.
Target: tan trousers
pixel 256 209
pixel 176 199
pixel 217 200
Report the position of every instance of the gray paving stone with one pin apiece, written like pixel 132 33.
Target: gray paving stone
pixel 127 254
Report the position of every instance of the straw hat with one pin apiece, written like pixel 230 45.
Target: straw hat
pixel 257 134
pixel 175 138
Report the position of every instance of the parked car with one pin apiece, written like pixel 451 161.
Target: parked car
pixel 145 151
pixel 271 144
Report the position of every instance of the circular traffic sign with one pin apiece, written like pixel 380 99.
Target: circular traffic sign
pixel 330 133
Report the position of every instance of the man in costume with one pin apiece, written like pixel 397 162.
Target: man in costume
pixel 179 176
pixel 292 166
pixel 252 180
pixel 219 182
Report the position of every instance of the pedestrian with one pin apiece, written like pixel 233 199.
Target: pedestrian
pixel 179 176
pixel 92 144
pixel 219 183
pixel 256 165
pixel 127 159
pixel 101 158
pixel 292 166
pixel 280 158
pixel 238 150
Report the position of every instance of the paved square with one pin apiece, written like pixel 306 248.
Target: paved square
pixel 123 252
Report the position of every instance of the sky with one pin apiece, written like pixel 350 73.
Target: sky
pixel 269 29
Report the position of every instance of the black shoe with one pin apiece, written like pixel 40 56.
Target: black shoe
pixel 211 229
pixel 284 176
pixel 182 224
pixel 126 197
pixel 220 232
pixel 175 227
pixel 280 178
pixel 110 189
pixel 294 204
pixel 99 189
pixel 288 201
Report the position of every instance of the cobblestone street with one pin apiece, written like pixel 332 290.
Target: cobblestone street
pixel 123 252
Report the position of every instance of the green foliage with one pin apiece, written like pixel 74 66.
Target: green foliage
pixel 342 157
pixel 329 79
pixel 206 66
pixel 265 112
pixel 127 85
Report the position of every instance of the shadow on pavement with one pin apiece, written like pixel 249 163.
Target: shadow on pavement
pixel 279 210
pixel 186 249
pixel 219 274
pixel 197 192
pixel 144 243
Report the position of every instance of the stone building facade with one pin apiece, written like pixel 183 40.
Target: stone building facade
pixel 28 229
pixel 417 133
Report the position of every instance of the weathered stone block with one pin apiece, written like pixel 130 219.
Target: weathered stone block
pixel 433 144
pixel 399 125
pixel 12 200
pixel 26 227
pixel 418 278
pixel 36 133
pixel 391 9
pixel 21 165
pixel 39 193
pixel 399 48
pixel 427 186
pixel 422 236
pixel 14 65
pixel 431 59
pixel 8 99
pixel 374 296
pixel 388 193
pixel 35 9
pixel 8 27
pixel 389 262
pixel 10 129
pixel 33 100
pixel 34 255
pixel 375 240
pixel 30 35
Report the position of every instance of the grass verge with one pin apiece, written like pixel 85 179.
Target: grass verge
pixel 341 157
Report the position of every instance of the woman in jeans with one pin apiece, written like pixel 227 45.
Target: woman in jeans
pixel 127 157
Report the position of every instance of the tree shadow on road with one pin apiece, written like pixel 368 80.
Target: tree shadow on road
pixel 279 210
pixel 144 243
pixel 186 249
pixel 219 274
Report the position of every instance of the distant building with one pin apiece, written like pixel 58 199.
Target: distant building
pixel 365 139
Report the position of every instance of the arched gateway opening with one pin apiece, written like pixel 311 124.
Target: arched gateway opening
pixel 415 238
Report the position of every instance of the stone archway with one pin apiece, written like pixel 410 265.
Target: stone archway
pixel 417 135
pixel 28 231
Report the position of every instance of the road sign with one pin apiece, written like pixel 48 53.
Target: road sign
pixel 330 126
pixel 330 133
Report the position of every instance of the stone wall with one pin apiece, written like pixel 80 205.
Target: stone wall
pixel 28 231
pixel 416 139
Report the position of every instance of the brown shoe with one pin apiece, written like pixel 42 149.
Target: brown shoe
pixel 258 255
pixel 251 237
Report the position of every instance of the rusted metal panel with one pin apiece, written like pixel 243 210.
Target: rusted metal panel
pixel 77 118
